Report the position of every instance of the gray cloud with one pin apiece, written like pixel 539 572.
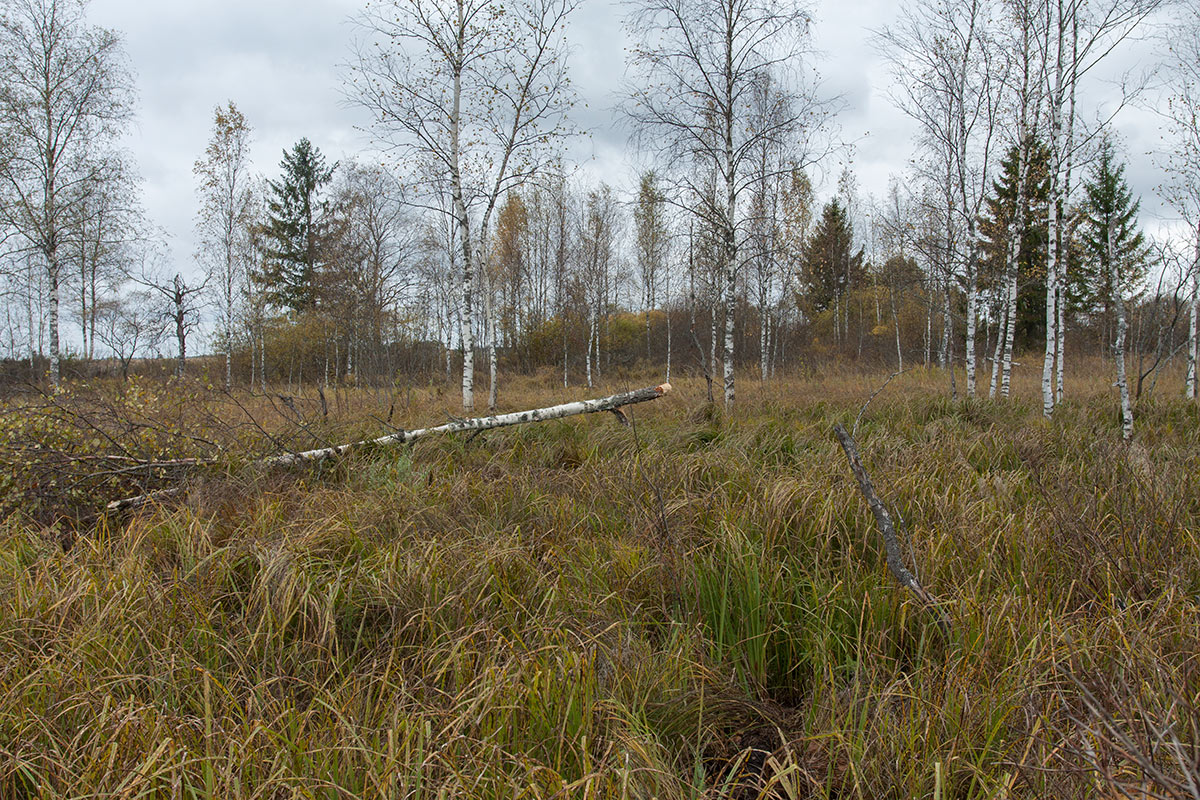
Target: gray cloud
pixel 277 59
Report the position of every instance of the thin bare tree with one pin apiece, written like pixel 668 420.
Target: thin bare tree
pixel 170 298
pixel 949 74
pixel 224 221
pixel 696 63
pixel 478 91
pixel 65 90
pixel 1076 36
pixel 1182 160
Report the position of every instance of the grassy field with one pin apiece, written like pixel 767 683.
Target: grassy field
pixel 698 607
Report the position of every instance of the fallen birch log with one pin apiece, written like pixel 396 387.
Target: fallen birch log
pixel 613 403
pixel 891 544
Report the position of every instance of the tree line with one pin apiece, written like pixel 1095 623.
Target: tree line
pixel 468 237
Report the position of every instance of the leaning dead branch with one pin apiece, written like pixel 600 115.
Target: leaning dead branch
pixel 891 543
pixel 613 403
pixel 874 394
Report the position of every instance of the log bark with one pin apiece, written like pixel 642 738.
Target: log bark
pixel 612 403
pixel 891 543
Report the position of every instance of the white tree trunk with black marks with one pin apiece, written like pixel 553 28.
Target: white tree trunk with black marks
pixel 1118 301
pixel 611 403
pixel 1193 339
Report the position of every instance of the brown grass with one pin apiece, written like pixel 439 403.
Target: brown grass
pixel 511 617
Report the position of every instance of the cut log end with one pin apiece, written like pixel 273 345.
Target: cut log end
pixel 663 388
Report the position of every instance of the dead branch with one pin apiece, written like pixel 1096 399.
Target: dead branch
pixel 128 503
pixel 874 394
pixel 891 544
pixel 612 403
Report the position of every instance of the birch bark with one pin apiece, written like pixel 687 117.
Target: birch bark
pixel 1190 389
pixel 1118 300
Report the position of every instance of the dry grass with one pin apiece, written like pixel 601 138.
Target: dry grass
pixel 520 615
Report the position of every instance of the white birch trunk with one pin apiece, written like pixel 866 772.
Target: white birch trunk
pixel 1066 199
pixel 730 300
pixel 490 327
pixel 1053 227
pixel 1119 346
pixel 998 353
pixel 1017 232
pixel 712 358
pixel 1190 389
pixel 896 326
pixel 837 319
pixel 1048 362
pixel 948 342
pixel 54 358
pixel 1009 333
pixel 944 355
pixel 972 301
pixel 466 332
pixel 613 403
pixel 667 308
pixel 928 329
pixel 762 343
pixel 610 403
pixel 591 345
pixel 1060 349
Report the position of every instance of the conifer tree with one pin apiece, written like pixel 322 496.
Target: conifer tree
pixel 294 223
pixel 1109 208
pixel 996 227
pixel 831 267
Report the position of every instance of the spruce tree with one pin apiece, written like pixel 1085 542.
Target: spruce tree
pixel 296 216
pixel 996 226
pixel 1109 205
pixel 831 267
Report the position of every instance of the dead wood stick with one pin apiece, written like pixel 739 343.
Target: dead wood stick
pixel 891 544
pixel 612 403
pixel 128 503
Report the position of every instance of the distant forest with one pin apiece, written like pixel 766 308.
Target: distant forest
pixel 467 246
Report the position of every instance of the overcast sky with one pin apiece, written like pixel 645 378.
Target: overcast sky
pixel 278 60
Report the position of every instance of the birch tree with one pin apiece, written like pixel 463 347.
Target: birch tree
pixel 65 91
pixel 379 243
pixel 652 240
pixel 696 62
pixel 104 225
pixel 949 76
pixel 597 246
pixel 1077 36
pixel 768 175
pixel 224 220
pixel 1026 113
pixel 1182 162
pixel 477 90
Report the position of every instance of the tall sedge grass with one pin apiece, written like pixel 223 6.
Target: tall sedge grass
pixel 569 610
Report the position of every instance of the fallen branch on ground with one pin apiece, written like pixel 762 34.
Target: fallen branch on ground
pixel 613 403
pixel 891 544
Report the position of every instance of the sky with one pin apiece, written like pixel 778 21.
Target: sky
pixel 280 62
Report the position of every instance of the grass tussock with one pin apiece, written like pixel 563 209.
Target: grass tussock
pixel 700 609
